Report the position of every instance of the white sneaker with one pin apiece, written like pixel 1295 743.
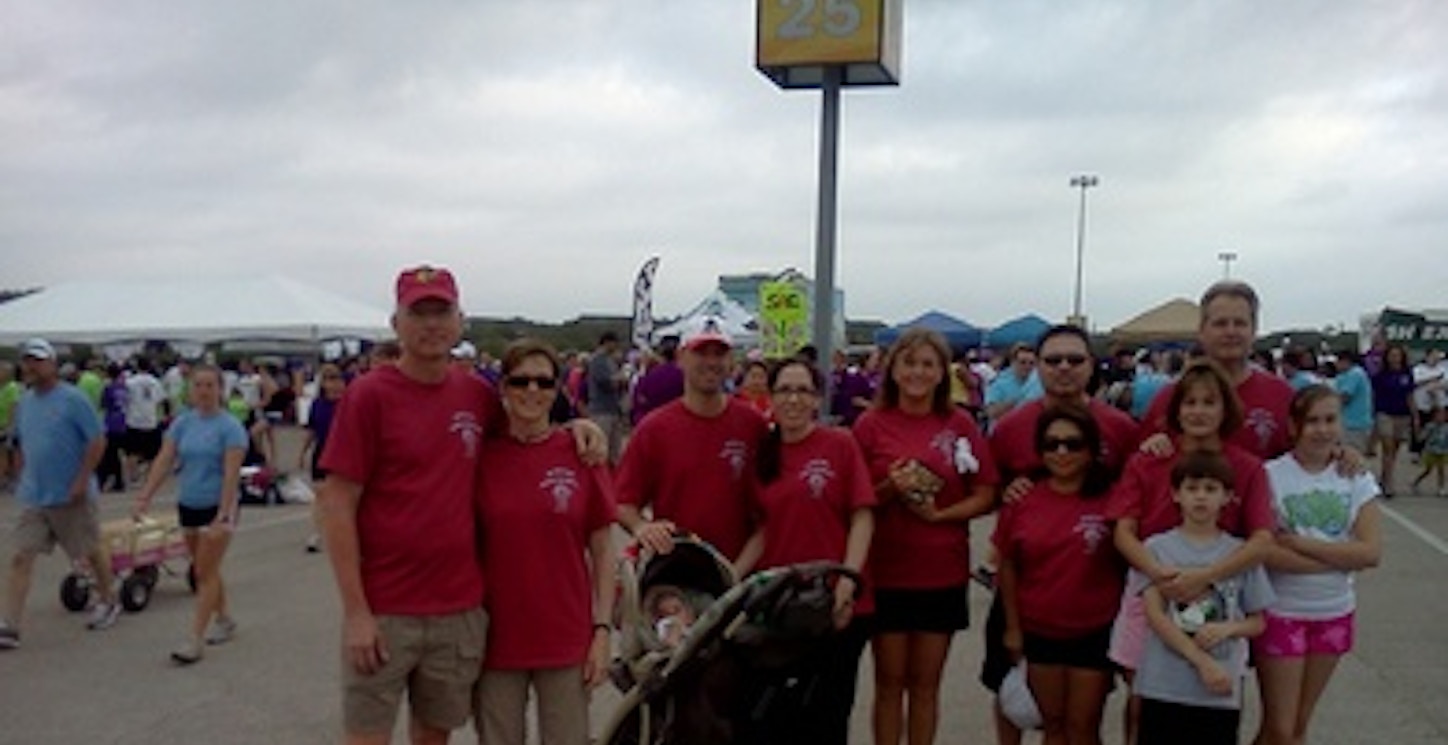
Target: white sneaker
pixel 103 616
pixel 188 652
pixel 314 543
pixel 221 631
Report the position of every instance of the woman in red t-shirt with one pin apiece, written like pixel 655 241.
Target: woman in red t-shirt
pixel 933 473
pixel 545 521
pixel 1061 578
pixel 816 501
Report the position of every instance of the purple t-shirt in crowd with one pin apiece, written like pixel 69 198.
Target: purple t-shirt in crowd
pixel 1392 391
pixel 846 386
pixel 113 406
pixel 663 383
pixel 319 421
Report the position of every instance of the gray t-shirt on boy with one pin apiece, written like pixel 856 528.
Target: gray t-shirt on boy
pixel 1166 676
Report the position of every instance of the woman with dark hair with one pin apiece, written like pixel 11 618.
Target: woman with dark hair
pixel 815 501
pixel 1060 577
pixel 1392 409
pixel 933 473
pixel 546 520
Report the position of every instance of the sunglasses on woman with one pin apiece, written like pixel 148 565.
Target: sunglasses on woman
pixel 1069 444
pixel 544 382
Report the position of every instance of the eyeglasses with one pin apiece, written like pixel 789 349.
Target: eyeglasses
pixel 790 390
pixel 1069 444
pixel 544 382
pixel 1054 360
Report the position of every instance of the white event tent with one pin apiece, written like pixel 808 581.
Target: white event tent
pixel 731 318
pixel 188 310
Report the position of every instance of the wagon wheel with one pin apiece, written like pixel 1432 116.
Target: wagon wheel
pixel 75 592
pixel 135 593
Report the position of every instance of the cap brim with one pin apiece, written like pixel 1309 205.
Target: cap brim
pixel 414 298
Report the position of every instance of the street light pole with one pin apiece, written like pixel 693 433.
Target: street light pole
pixel 1082 182
pixel 1227 257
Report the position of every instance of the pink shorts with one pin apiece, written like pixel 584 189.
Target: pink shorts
pixel 1128 634
pixel 1295 637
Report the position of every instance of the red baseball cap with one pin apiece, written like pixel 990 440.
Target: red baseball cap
pixel 426 282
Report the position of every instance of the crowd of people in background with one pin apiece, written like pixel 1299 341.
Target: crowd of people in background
pixel 1157 508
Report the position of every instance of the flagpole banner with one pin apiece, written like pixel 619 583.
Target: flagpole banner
pixel 643 304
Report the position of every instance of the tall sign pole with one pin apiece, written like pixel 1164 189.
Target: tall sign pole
pixel 828 44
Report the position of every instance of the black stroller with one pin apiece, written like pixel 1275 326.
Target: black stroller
pixel 736 676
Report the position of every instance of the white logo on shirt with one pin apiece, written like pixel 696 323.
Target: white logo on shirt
pixel 465 424
pixel 736 452
pixel 1261 422
pixel 1093 530
pixel 817 474
pixel 561 483
pixel 944 442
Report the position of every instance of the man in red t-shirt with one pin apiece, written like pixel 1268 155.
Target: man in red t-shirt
pixel 692 460
pixel 398 510
pixel 1228 328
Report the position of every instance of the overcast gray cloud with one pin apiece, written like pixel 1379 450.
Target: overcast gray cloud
pixel 545 149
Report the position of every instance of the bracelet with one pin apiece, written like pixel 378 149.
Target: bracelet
pixel 604 627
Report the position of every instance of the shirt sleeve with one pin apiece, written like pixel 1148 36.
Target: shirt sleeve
pixel 1003 535
pixel 1257 594
pixel 632 484
pixel 235 434
pixel 85 417
pixel 177 429
pixel 862 487
pixel 1124 500
pixel 1256 496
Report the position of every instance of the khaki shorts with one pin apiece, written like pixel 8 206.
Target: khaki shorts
pixel 501 706
pixel 1390 427
pixel 74 526
pixel 1357 439
pixel 435 659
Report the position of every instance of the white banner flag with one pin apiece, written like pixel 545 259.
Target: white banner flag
pixel 643 304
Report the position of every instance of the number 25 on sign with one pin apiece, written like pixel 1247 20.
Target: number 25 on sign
pixel 796 32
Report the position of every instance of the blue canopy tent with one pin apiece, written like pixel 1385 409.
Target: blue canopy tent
pixel 1024 330
pixel 958 334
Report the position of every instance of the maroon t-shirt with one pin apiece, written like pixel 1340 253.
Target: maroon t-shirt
pixel 1265 399
pixel 1013 440
pixel 807 509
pixel 908 552
pixel 1069 575
pixel 1144 492
pixel 539 504
pixel 414 449
pixel 696 471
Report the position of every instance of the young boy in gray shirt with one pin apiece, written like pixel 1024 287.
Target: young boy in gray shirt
pixel 1190 679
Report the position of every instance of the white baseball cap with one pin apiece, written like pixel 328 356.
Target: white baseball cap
pixel 39 349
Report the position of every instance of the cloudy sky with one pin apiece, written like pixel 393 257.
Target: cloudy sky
pixel 544 149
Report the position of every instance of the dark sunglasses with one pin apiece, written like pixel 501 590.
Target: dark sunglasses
pixel 1069 444
pixel 1054 360
pixel 544 382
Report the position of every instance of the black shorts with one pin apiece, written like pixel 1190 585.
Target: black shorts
pixel 1087 651
pixel 196 517
pixel 946 610
pixel 142 443
pixel 1166 723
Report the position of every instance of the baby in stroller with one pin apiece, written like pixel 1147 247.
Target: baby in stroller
pixel 706 659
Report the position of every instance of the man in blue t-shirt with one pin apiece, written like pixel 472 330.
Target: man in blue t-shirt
pixel 60 442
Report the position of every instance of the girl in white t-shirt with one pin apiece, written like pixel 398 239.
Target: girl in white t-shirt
pixel 1327 529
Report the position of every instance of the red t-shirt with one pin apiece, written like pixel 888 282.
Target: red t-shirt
pixel 696 471
pixel 1144 492
pixel 909 553
pixel 1069 575
pixel 807 509
pixel 1265 399
pixel 538 505
pixel 413 447
pixel 1013 440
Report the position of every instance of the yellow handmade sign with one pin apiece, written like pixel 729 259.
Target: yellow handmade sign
pixel 783 319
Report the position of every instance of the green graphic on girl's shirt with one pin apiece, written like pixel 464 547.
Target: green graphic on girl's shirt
pixel 1319 513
